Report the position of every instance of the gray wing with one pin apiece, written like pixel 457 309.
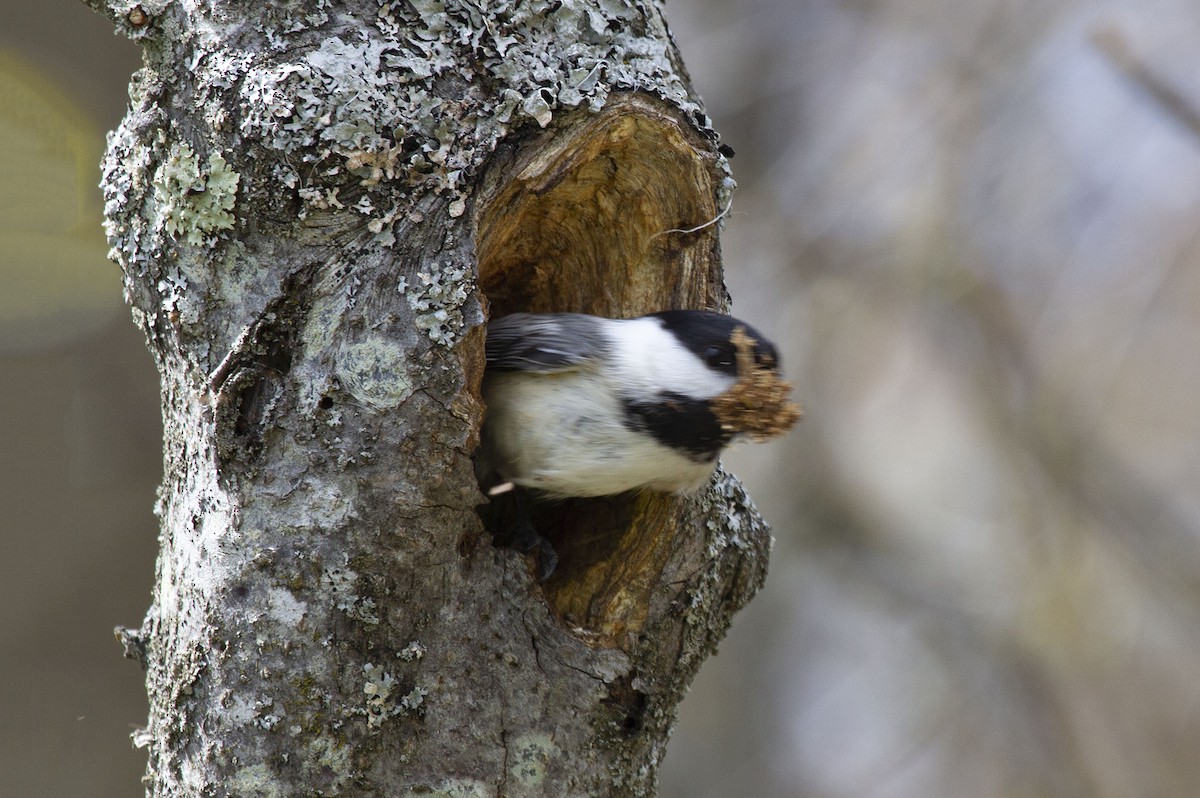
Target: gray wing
pixel 544 341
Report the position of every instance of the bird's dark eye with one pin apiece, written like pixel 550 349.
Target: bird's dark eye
pixel 716 357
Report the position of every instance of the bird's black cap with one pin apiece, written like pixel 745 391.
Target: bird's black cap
pixel 708 336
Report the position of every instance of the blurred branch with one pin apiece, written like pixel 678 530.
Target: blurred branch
pixel 1115 47
pixel 989 665
pixel 1077 462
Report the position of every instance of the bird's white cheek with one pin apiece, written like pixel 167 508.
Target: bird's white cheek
pixel 648 361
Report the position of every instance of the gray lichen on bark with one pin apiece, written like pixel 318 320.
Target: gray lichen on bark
pixel 314 205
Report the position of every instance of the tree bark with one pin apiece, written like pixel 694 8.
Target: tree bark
pixel 316 205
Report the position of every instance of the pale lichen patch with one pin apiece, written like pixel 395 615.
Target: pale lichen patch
pixel 375 371
pixel 285 609
pixel 256 780
pixel 191 201
pixel 529 757
pixel 453 788
pixel 437 296
pixel 381 704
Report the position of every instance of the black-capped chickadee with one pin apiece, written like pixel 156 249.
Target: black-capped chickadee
pixel 580 405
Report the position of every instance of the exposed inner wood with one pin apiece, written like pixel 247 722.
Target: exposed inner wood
pixel 587 220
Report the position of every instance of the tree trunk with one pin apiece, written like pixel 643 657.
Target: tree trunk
pixel 316 205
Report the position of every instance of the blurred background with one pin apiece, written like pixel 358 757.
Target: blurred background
pixel 973 227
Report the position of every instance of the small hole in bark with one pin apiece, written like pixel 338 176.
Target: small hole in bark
pixel 325 402
pixel 629 702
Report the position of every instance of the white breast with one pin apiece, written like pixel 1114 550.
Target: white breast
pixel 564 434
